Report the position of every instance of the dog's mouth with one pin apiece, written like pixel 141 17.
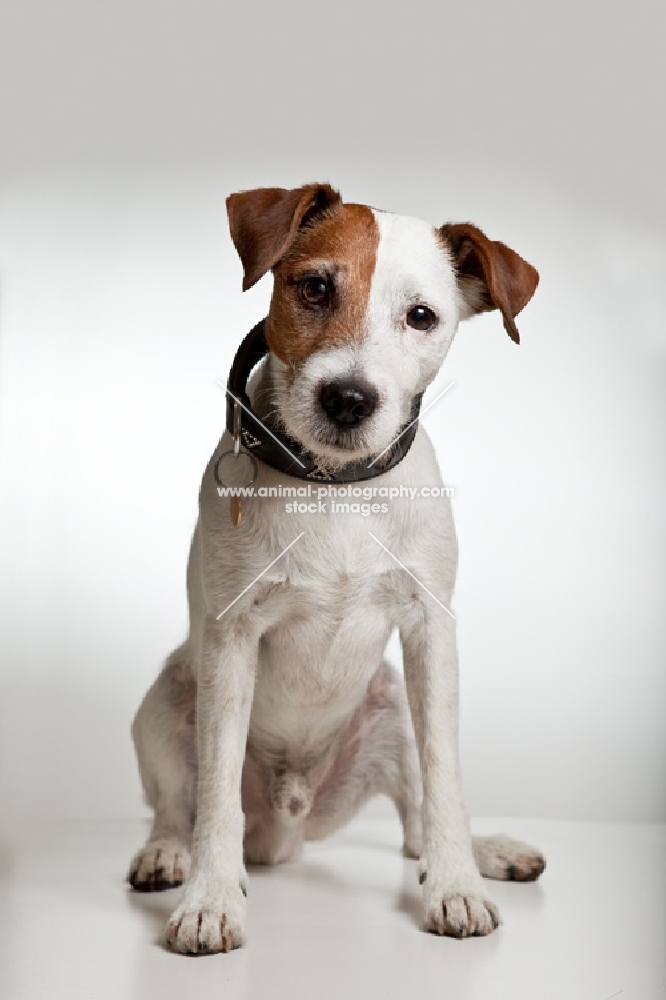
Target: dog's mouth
pixel 337 445
pixel 342 440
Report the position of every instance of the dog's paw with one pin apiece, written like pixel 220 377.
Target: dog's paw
pixel 500 857
pixel 457 909
pixel 161 864
pixel 206 922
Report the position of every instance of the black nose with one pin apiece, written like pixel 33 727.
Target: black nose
pixel 347 402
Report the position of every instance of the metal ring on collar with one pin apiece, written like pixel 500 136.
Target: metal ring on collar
pixel 240 486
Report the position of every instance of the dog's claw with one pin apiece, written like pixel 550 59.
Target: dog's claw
pixel 158 866
pixel 459 914
pixel 204 924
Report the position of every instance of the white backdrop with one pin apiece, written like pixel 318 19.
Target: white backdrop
pixel 120 306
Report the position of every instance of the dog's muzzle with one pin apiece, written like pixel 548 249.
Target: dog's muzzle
pixel 346 403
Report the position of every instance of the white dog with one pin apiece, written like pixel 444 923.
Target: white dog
pixel 278 718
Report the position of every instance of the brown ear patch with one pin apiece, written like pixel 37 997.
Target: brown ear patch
pixel 264 223
pixel 490 274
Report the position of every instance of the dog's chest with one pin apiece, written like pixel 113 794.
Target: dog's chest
pixel 316 662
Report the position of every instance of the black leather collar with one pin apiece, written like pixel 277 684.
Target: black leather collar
pixel 282 452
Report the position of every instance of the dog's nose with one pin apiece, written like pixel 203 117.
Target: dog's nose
pixel 348 402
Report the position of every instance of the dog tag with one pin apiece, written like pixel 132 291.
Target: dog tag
pixel 236 511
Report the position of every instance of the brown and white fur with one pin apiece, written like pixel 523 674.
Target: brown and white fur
pixel 273 724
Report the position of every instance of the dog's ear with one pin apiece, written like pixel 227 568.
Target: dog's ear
pixel 490 274
pixel 264 223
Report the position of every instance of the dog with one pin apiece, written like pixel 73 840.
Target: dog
pixel 278 717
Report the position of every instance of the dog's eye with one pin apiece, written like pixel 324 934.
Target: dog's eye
pixel 421 318
pixel 314 291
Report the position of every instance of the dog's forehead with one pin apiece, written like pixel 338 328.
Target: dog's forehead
pixel 411 256
pixel 366 239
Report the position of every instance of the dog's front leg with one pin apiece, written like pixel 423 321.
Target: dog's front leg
pixel 455 901
pixel 211 914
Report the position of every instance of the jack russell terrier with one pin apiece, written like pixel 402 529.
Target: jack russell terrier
pixel 278 717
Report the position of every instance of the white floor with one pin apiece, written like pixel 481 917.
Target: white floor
pixel 341 923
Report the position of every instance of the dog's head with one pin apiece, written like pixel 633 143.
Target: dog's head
pixel 365 306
